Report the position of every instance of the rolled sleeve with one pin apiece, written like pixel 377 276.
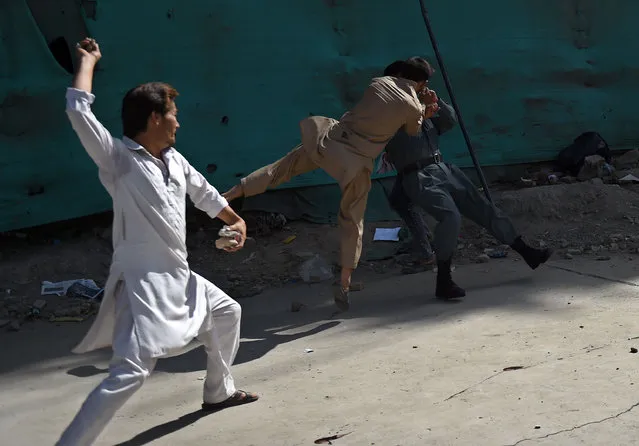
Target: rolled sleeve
pixel 213 203
pixel 79 100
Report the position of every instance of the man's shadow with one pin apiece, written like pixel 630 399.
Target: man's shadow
pixel 159 431
pixel 256 349
pixel 263 340
pixel 260 342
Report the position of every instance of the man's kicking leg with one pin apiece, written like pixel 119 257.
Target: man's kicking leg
pixel 127 373
pixel 474 206
pixel 351 211
pixel 294 163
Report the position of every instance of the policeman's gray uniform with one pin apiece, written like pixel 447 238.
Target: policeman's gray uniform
pixel 441 189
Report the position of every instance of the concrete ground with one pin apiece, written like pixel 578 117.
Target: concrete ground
pixel 400 369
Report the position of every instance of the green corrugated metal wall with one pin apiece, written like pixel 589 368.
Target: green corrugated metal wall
pixel 529 76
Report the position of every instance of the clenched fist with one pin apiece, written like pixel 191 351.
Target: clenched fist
pixel 428 96
pixel 88 49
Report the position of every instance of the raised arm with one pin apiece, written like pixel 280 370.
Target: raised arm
pixel 206 198
pixel 96 139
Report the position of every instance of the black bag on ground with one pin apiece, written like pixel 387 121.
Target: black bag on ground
pixel 572 157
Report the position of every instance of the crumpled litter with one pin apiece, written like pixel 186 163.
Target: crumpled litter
pixel 84 288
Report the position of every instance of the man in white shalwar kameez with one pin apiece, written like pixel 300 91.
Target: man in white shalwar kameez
pixel 154 306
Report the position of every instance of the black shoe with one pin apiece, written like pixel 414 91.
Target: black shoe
pixel 449 291
pixel 446 288
pixel 534 257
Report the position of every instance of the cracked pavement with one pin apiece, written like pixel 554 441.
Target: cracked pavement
pixel 581 426
pixel 528 358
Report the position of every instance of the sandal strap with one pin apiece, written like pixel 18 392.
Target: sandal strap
pixel 240 395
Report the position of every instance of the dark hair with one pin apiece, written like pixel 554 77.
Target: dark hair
pixel 395 69
pixel 141 101
pixel 418 69
pixel 415 69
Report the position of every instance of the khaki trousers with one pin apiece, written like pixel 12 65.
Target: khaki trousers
pixel 351 209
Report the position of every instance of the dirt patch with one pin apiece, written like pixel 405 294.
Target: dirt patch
pixel 569 201
pixel 578 215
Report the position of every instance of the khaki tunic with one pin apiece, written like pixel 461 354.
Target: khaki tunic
pixel 346 150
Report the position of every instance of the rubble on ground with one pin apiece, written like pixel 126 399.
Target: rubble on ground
pixel 264 223
pixel 595 169
pixel 595 218
pixel 17 309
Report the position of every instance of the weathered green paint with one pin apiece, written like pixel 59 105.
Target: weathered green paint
pixel 529 76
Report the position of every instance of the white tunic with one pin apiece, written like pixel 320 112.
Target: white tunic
pixel 167 299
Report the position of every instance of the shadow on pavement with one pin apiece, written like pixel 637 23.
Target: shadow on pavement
pixel 44 348
pixel 269 322
pixel 86 371
pixel 161 430
pixel 263 341
pixel 250 350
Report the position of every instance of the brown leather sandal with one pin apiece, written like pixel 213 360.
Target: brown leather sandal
pixel 237 399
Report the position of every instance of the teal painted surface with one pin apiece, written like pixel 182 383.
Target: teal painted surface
pixel 529 77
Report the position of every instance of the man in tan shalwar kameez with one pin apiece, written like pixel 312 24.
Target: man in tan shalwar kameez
pixel 346 150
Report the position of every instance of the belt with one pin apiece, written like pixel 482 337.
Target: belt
pixel 420 164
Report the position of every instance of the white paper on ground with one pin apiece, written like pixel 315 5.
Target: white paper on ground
pixel 61 288
pixel 630 178
pixel 387 234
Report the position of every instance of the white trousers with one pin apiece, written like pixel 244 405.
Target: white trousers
pixel 128 370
